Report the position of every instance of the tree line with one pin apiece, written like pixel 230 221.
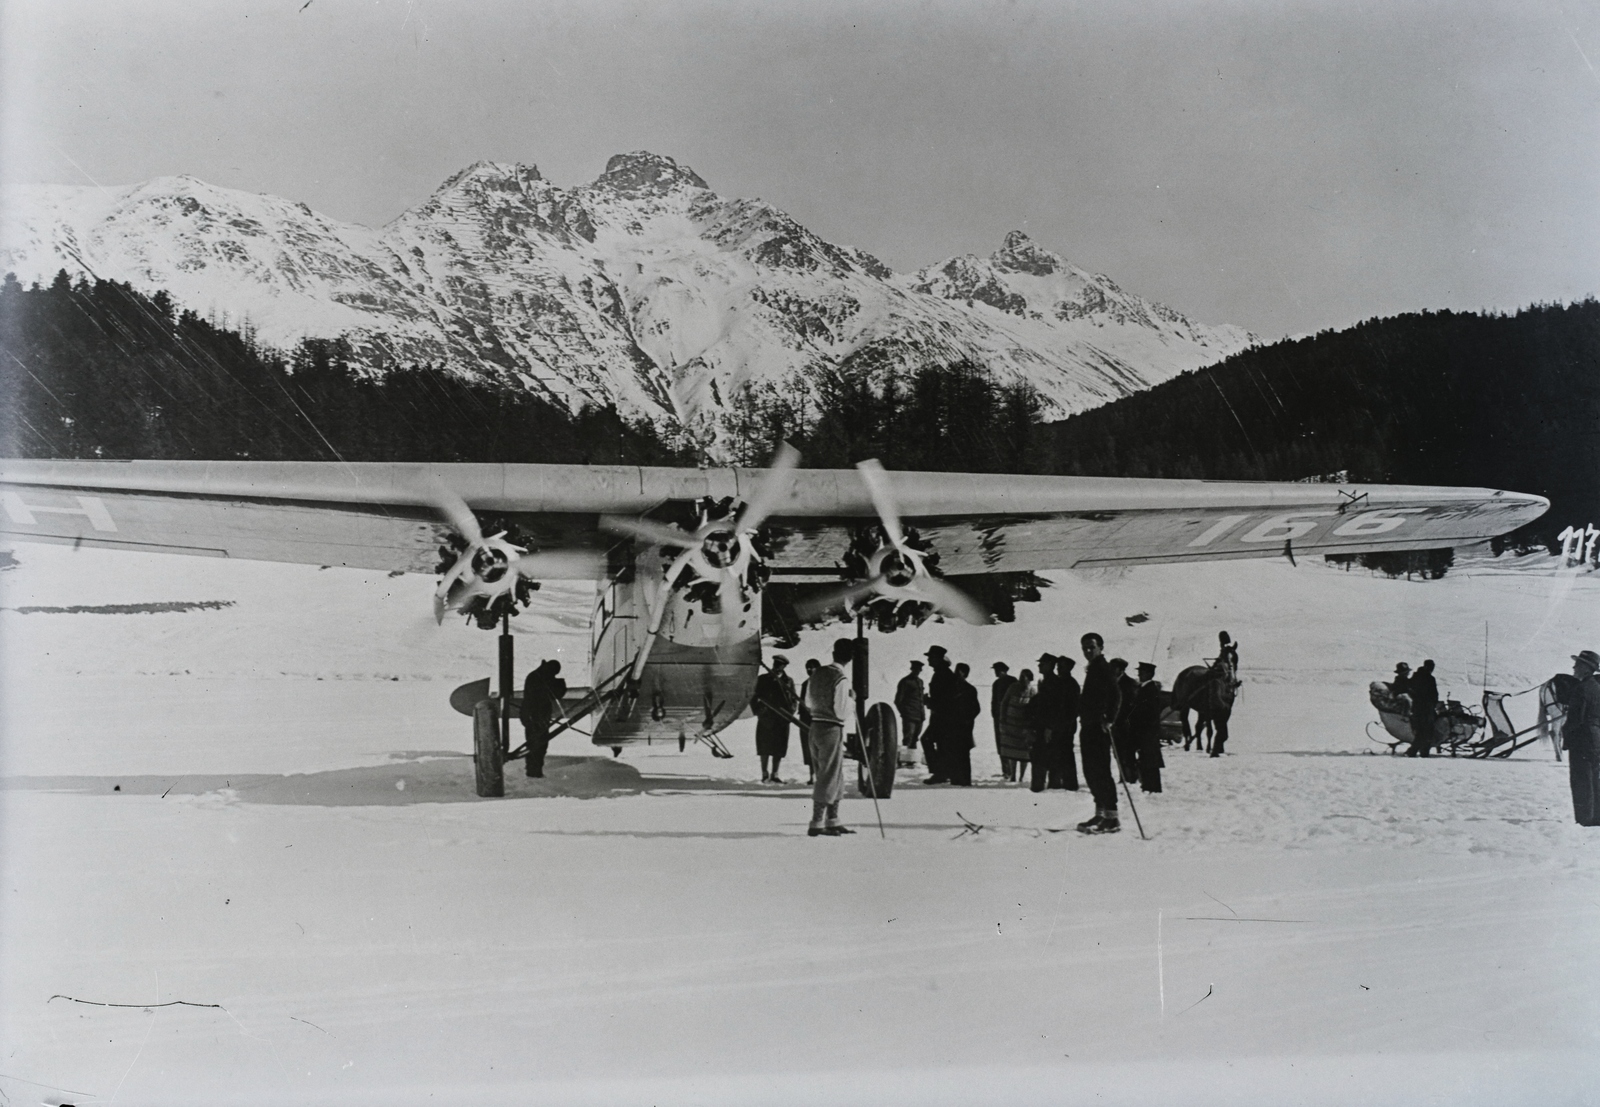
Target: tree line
pixel 95 369
pixel 1458 398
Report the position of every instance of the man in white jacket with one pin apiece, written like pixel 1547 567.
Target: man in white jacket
pixel 830 700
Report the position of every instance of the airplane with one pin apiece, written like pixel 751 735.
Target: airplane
pixel 681 557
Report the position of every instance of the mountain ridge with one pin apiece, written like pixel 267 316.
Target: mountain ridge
pixel 644 289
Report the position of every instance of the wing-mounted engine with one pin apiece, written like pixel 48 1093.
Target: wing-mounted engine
pixel 892 570
pixel 489 577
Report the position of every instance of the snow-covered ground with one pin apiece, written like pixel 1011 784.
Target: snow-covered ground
pixel 260 815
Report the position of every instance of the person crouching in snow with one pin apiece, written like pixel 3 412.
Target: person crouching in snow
pixel 830 702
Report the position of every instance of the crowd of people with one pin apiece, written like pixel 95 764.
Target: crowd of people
pixel 1042 725
pixel 1112 719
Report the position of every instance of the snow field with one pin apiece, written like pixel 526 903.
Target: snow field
pixel 295 838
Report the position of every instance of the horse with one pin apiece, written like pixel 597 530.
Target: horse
pixel 1209 691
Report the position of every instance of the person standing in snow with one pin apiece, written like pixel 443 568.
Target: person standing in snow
pixel 1580 734
pixel 941 714
pixel 541 702
pixel 1097 709
pixel 1144 728
pixel 804 713
pixel 1424 691
pixel 1066 764
pixel 1121 733
pixel 1045 716
pixel 909 695
pixel 831 703
pixel 956 755
pixel 1015 728
pixel 773 706
pixel 1003 680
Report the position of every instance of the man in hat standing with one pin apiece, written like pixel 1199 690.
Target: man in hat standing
pixel 942 708
pixel 1071 694
pixel 1003 680
pixel 1121 728
pixel 1097 710
pixel 909 697
pixel 1044 712
pixel 773 708
pixel 1424 691
pixel 1144 729
pixel 1581 737
pixel 956 754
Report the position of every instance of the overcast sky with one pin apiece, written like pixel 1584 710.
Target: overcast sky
pixel 1286 166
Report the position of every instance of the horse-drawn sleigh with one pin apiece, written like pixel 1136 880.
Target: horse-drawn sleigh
pixel 1460 731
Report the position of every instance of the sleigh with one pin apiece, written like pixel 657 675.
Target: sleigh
pixel 1459 731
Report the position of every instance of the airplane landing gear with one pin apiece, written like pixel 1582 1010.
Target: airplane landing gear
pixel 488 755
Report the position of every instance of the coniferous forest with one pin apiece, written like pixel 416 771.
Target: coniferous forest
pixel 96 369
pixel 1497 401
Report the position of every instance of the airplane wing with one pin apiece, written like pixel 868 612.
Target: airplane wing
pixel 386 516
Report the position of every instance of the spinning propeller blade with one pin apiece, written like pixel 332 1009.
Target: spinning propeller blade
pixel 828 601
pixel 877 482
pixel 660 534
pixel 731 599
pixel 771 489
pixel 448 502
pixel 950 600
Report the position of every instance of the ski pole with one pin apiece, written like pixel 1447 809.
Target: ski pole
pixel 866 760
pixel 1123 773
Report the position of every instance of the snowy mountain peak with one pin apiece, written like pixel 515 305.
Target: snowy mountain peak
pixel 643 289
pixel 1020 255
pixel 642 171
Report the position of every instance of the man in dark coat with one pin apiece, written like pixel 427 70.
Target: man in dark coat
pixel 1044 714
pixel 1097 710
pixel 1003 680
pixel 804 715
pixel 941 714
pixel 956 753
pixel 1066 763
pixel 1144 727
pixel 541 702
pixel 1401 684
pixel 1424 692
pixel 774 705
pixel 1121 735
pixel 1580 734
pixel 909 696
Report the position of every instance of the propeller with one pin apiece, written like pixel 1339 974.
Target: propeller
pixel 719 550
pixel 493 566
pixel 896 571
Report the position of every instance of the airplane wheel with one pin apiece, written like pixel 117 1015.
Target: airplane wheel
pixel 487 760
pixel 882 750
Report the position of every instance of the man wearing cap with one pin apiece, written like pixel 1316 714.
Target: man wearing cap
pixel 1065 762
pixel 1003 680
pixel 942 708
pixel 956 754
pixel 908 701
pixel 1097 709
pixel 773 707
pixel 1144 729
pixel 1581 737
pixel 1121 726
pixel 1044 712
